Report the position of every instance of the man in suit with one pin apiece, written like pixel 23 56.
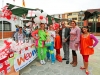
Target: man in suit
pixel 65 38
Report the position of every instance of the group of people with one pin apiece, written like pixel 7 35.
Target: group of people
pixel 71 37
pixel 67 37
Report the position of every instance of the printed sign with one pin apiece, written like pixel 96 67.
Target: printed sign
pixel 24 59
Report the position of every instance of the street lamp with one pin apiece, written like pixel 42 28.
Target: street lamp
pixel 80 14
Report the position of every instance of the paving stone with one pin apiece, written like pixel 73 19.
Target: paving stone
pixel 25 70
pixel 33 66
pixel 25 74
pixel 49 73
pixel 55 71
pixel 48 69
pixel 33 71
pixel 41 73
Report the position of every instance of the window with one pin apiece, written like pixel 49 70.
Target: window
pixel 6 26
pixel 74 13
pixel 69 14
pixel 74 18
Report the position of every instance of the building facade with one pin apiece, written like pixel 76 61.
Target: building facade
pixel 93 23
pixel 8 26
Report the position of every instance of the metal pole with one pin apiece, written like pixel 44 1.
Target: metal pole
pixel 2 19
pixel 95 24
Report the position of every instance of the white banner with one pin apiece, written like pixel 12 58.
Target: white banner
pixel 24 59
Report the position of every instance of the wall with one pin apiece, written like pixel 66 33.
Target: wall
pixel 57 16
pixel 7 34
pixel 13 23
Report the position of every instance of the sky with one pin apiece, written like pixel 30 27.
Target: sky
pixel 56 6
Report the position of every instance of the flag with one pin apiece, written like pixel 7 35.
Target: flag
pixel 23 3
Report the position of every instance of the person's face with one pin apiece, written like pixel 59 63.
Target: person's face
pixel 85 30
pixel 73 24
pixel 57 30
pixel 42 26
pixel 51 27
pixel 20 29
pixel 63 24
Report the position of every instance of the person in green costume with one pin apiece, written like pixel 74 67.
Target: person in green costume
pixel 40 42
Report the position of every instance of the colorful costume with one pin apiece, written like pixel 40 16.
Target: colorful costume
pixel 85 43
pixel 41 43
pixel 57 47
pixel 50 49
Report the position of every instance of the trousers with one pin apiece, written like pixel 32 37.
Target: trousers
pixel 50 52
pixel 41 52
pixel 66 50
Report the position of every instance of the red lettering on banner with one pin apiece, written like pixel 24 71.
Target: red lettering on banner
pixel 20 60
pixel 27 56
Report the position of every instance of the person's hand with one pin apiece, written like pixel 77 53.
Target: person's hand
pixel 76 45
pixel 52 35
pixel 65 40
pixel 16 41
pixel 37 38
pixel 90 46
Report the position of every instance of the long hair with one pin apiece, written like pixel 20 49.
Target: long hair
pixel 88 30
pixel 74 22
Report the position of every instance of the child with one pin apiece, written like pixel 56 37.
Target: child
pixel 87 44
pixel 50 49
pixel 58 46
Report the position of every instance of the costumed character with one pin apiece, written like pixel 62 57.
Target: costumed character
pixel 57 42
pixel 50 42
pixel 41 36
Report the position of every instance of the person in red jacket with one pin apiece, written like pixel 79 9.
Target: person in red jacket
pixel 58 45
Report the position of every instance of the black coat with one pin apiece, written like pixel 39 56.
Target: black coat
pixel 66 34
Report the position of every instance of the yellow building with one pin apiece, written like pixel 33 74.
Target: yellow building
pixel 76 16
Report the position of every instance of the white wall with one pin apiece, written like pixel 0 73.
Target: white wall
pixel 13 22
pixel 57 16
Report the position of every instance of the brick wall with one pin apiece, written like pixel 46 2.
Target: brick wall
pixel 6 34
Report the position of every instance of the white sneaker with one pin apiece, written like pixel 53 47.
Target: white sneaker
pixel 41 62
pixel 44 62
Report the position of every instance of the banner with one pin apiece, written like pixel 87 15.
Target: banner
pixel 6 67
pixel 24 59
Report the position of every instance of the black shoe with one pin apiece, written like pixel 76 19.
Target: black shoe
pixel 63 59
pixel 67 62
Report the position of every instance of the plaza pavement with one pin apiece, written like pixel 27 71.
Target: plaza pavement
pixel 61 68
